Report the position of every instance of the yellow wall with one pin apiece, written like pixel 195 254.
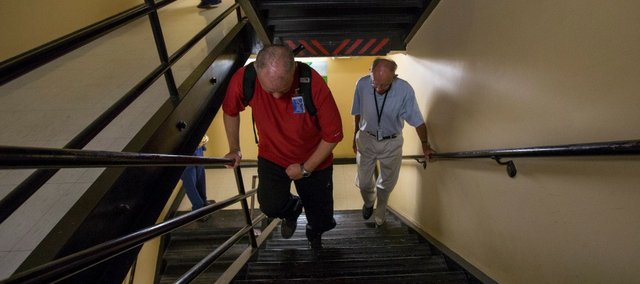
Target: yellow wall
pixel 26 24
pixel 145 266
pixel 497 74
pixel 344 72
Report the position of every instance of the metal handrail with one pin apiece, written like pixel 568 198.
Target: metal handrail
pixel 610 148
pixel 203 264
pixel 31 60
pixel 69 265
pixel 33 157
pixel 12 157
pixel 19 65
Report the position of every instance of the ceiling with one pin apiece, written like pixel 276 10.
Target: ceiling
pixel 342 27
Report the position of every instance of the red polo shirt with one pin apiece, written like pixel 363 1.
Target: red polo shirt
pixel 286 137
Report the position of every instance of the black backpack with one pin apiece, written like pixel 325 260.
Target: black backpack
pixel 249 84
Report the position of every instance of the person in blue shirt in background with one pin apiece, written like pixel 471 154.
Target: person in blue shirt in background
pixel 194 181
pixel 381 104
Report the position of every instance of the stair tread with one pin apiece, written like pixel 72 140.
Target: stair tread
pixel 352 231
pixel 450 277
pixel 342 253
pixel 178 269
pixel 201 279
pixel 344 242
pixel 343 267
pixel 197 254
pixel 197 244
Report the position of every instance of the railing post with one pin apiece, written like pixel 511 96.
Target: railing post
pixel 245 206
pixel 156 28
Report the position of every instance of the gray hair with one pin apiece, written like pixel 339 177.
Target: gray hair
pixel 386 62
pixel 275 55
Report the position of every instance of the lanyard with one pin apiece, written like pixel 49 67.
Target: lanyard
pixel 375 99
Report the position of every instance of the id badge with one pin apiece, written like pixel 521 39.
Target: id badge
pixel 379 135
pixel 298 104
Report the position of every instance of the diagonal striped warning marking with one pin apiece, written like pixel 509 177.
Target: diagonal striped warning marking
pixel 380 45
pixel 366 46
pixel 313 47
pixel 341 46
pixel 353 46
pixel 319 47
pixel 308 47
pixel 293 45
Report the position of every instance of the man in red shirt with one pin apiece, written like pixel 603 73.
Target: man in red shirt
pixel 294 145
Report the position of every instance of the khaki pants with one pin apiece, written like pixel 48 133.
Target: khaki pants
pixel 388 153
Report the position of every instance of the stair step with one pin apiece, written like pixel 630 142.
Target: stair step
pixel 455 277
pixel 341 268
pixel 177 270
pixel 202 243
pixel 356 221
pixel 204 278
pixel 204 232
pixel 354 242
pixel 342 253
pixel 232 218
pixel 195 255
pixel 360 229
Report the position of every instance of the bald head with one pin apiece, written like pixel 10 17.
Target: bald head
pixel 275 67
pixel 383 71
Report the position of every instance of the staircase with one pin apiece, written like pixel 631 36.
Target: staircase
pixel 354 252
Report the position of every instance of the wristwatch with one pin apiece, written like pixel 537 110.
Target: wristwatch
pixel 305 173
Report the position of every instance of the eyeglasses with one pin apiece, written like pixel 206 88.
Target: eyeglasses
pixel 382 86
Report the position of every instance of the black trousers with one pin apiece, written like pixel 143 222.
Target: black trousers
pixel 315 191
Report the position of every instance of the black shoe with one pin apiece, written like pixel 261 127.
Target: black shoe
pixel 211 201
pixel 209 4
pixel 315 240
pixel 289 225
pixel 367 212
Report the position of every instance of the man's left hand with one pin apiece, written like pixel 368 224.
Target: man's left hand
pixel 294 171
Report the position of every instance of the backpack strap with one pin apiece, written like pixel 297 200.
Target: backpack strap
pixel 248 88
pixel 305 87
pixel 249 84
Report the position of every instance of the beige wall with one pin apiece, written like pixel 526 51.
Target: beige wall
pixel 495 74
pixel 26 24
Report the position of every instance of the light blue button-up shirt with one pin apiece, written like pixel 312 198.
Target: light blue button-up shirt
pixel 400 106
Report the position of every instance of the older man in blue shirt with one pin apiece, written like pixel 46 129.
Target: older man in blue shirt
pixel 381 104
